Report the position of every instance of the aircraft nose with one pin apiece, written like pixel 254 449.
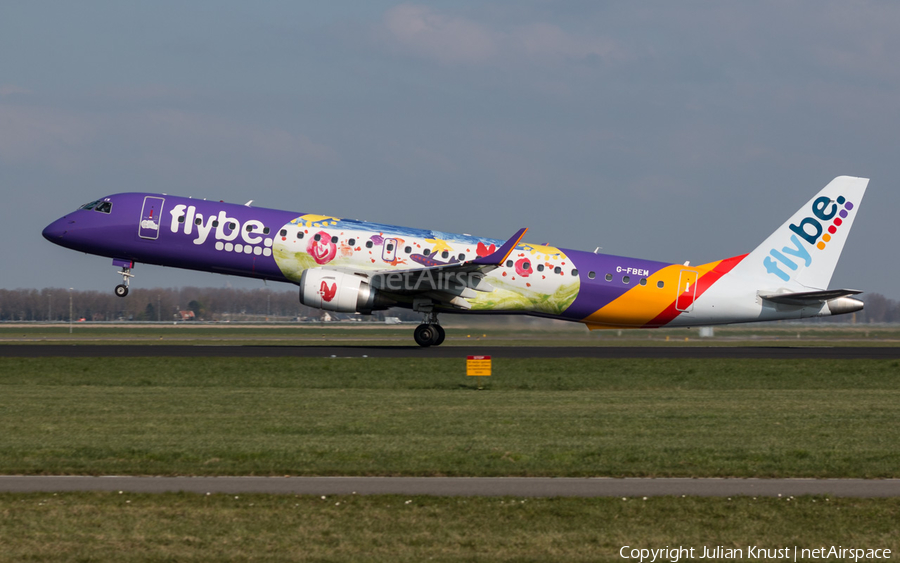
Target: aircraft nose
pixel 56 230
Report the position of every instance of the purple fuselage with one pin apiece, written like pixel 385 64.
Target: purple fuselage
pixel 225 238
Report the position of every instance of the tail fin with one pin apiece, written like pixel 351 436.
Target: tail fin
pixel 803 253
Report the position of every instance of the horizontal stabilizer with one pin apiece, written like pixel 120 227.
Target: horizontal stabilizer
pixel 808 297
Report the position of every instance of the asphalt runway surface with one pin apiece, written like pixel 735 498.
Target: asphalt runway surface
pixel 497 352
pixel 458 486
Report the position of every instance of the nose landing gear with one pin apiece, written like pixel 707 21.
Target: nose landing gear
pixel 122 289
pixel 429 333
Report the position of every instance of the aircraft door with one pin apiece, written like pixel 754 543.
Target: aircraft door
pixel 687 290
pixel 390 249
pixel 151 217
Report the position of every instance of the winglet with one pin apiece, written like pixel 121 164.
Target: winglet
pixel 503 252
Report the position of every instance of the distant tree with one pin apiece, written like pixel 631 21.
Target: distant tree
pixel 196 307
pixel 877 307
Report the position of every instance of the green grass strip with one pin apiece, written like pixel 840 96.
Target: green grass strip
pixel 574 417
pixel 185 527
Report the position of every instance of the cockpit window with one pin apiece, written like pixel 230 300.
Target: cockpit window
pixel 98 205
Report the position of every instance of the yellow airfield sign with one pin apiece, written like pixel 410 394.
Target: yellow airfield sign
pixel 479 366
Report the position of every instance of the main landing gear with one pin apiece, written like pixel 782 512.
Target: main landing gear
pixel 122 289
pixel 429 333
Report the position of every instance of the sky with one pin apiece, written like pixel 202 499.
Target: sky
pixel 663 130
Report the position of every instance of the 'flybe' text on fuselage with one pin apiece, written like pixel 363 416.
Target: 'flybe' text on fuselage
pixel 224 229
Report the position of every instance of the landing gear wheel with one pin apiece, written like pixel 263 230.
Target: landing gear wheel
pixel 440 335
pixel 122 289
pixel 425 335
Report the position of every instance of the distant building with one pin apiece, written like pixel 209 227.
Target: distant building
pixel 185 315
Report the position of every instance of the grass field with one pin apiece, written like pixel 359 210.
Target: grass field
pixel 573 417
pixel 210 416
pixel 460 332
pixel 183 527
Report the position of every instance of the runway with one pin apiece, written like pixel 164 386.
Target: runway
pixel 459 486
pixel 457 352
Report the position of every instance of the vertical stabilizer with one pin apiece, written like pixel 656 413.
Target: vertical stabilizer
pixel 803 252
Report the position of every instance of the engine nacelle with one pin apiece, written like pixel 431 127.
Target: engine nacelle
pixel 339 292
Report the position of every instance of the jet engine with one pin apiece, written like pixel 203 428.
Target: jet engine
pixel 340 292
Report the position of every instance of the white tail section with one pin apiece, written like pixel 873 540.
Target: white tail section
pixel 802 253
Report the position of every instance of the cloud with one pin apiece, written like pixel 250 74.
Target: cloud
pixel 447 39
pixel 43 134
pixel 422 32
pixel 212 134
pixel 61 138
pixel 11 89
pixel 550 41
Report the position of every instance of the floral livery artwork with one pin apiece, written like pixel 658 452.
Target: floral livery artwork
pixel 535 278
pixel 539 280
pixel 296 249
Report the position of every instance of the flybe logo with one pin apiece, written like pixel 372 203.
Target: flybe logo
pixel 230 235
pixel 827 215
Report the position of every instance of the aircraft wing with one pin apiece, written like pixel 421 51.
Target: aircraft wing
pixel 808 297
pixel 446 284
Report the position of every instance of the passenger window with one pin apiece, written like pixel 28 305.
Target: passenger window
pixel 231 226
pixel 368 244
pixel 352 242
pixel 300 234
pixel 660 284
pixel 334 240
pixel 526 265
pixel 643 281
pixel 181 219
pixel 215 222
pixel 390 247
pixel 574 271
pixel 626 280
pixel 407 249
pixel 461 256
pixel 557 270
pixel 445 255
pixel 426 252
pixel 540 267
pixel 592 275
pixel 509 263
pixel 249 228
pixel 283 233
pixel 197 221
pixel 266 231
pixel 317 238
pixel 608 277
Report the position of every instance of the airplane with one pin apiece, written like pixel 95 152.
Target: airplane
pixel 349 266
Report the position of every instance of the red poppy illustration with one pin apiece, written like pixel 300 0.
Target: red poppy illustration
pixel 322 250
pixel 482 250
pixel 523 267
